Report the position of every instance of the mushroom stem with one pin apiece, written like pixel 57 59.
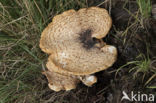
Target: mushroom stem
pixel 59 82
pixel 88 80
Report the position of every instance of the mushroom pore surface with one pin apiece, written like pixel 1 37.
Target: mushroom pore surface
pixel 71 38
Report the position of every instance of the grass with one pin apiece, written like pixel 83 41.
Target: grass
pixel 145 11
pixel 142 64
pixel 144 8
pixel 22 22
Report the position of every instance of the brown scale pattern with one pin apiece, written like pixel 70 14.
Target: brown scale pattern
pixel 73 52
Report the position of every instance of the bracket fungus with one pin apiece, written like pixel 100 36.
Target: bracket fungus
pixel 73 41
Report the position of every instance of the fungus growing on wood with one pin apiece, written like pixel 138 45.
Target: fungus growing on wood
pixel 73 42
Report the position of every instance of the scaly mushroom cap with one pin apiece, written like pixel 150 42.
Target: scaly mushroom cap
pixel 71 40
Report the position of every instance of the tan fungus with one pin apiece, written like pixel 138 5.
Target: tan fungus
pixel 73 41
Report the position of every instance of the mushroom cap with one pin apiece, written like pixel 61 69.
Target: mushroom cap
pixel 70 40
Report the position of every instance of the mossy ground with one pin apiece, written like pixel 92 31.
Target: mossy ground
pixel 21 59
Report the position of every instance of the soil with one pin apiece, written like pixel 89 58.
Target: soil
pixel 110 86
